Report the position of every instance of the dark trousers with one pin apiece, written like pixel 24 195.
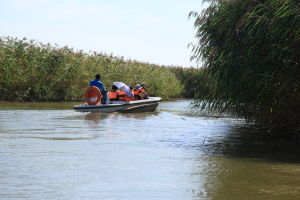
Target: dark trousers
pixel 104 96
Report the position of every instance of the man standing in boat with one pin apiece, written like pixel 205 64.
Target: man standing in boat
pixel 101 87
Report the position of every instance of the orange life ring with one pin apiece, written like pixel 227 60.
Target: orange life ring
pixel 92 95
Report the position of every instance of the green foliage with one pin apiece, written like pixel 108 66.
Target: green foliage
pixel 252 55
pixel 31 71
pixel 193 81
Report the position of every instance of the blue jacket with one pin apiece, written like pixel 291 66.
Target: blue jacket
pixel 97 83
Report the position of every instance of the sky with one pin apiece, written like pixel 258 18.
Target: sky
pixel 153 31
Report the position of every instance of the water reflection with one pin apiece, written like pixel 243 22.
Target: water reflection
pixel 95 118
pixel 173 153
pixel 141 115
pixel 251 142
pixel 243 165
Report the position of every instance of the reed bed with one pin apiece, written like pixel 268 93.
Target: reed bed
pixel 32 71
pixel 193 81
pixel 252 56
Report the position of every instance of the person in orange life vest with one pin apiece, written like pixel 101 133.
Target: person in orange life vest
pixel 143 90
pixel 113 95
pixel 123 96
pixel 137 92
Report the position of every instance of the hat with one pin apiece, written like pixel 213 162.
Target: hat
pixel 138 86
pixel 143 84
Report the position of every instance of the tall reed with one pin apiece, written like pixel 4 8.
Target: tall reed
pixel 32 71
pixel 193 81
pixel 252 56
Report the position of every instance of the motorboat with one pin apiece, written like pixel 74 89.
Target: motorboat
pixel 144 105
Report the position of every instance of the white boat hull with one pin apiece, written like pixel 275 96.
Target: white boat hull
pixel 121 106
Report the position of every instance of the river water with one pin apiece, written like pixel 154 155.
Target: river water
pixel 49 151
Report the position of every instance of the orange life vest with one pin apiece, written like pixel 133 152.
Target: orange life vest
pixel 138 94
pixel 123 96
pixel 92 95
pixel 130 98
pixel 113 96
pixel 145 95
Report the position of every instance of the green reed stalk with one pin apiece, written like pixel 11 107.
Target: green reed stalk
pixel 31 71
pixel 252 56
